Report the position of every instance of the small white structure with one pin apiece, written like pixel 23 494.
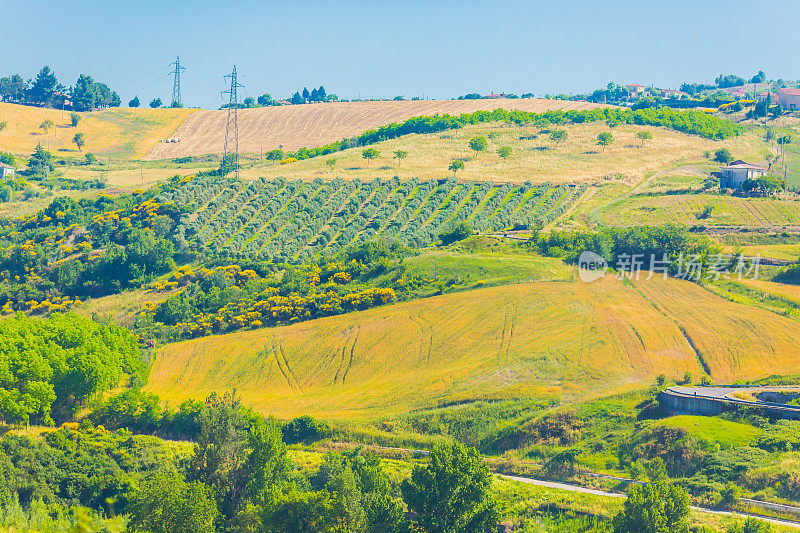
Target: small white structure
pixel 6 171
pixel 736 173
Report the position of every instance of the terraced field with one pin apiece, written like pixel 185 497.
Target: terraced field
pixel 283 219
pixel 575 339
pixel 684 208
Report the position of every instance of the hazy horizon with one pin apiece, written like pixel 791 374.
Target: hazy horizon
pixel 360 49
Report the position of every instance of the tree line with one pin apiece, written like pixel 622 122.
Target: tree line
pixel 45 90
pixel 691 122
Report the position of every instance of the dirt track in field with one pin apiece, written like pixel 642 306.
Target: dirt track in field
pixel 312 125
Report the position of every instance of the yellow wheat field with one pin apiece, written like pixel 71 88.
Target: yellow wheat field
pixel 576 339
pixel 121 133
pixel 311 125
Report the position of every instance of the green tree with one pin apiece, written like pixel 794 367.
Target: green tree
pixel 457 233
pixel 400 155
pixel 265 100
pixel 605 139
pixel 41 162
pixel 115 100
pixel 240 457
pixel 43 87
pixel 74 119
pixel 452 494
pixel 370 153
pixel 267 464
pixel 166 503
pixel 723 155
pixel 83 94
pixel 12 88
pixel 478 144
pixel 8 158
pixel 155 103
pixel 134 102
pixel 644 136
pixel 558 136
pixel 657 507
pixel 91 159
pixel 612 122
pixel 275 155
pixel 456 165
pixel 46 125
pixel 52 365
pixel 504 152
pixel 3 125
pixel 79 140
pixel 299 511
pixel 751 525
pixel 331 162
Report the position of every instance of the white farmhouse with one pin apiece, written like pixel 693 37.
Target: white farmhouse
pixel 736 173
pixel 6 171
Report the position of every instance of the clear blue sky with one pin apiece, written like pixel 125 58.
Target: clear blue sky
pixel 383 49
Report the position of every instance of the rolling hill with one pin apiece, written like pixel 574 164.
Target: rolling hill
pixel 296 126
pixel 122 133
pixel 574 339
pixel 534 156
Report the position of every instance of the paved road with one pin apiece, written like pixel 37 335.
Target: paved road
pixel 726 394
pixel 585 490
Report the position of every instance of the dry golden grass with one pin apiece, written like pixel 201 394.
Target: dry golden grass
pixel 126 180
pixel 121 133
pixel 121 308
pixel 581 340
pixel 684 209
pixel 785 252
pixel 317 124
pixel 537 160
pixel 788 292
pixel 36 204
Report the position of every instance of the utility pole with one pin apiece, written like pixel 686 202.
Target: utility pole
pixel 176 83
pixel 232 127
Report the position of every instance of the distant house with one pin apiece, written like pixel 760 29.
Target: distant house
pixel 6 171
pixel 736 173
pixel 789 98
pixel 671 94
pixel 739 94
pixel 494 96
pixel 767 95
pixel 635 91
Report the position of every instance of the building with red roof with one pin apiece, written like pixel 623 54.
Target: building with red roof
pixel 789 98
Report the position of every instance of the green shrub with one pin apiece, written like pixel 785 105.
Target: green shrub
pixel 304 429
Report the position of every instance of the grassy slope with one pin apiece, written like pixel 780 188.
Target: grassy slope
pixel 121 308
pixel 582 340
pixel 785 252
pixel 292 127
pixel 122 133
pixel 577 159
pixel 711 429
pixel 683 209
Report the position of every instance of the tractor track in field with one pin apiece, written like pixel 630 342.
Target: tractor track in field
pixel 352 349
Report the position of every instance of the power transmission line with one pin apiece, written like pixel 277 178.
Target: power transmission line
pixel 176 83
pixel 232 127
